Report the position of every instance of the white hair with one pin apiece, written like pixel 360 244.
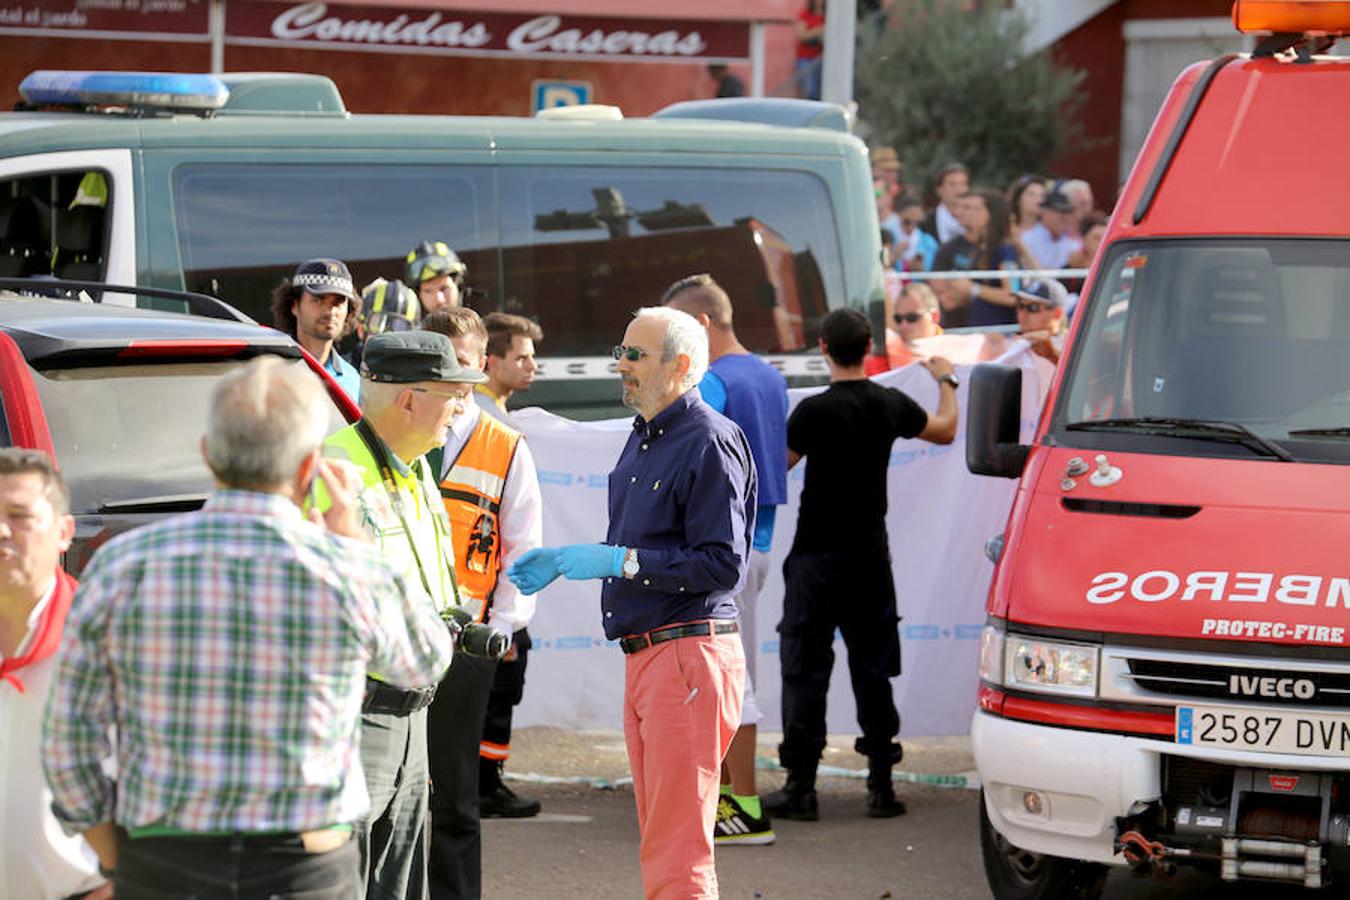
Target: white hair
pixel 684 336
pixel 1074 186
pixel 266 416
pixel 377 396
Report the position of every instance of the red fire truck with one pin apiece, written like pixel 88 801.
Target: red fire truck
pixel 1165 669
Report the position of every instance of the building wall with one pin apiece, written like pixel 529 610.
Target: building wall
pixel 400 83
pixel 1098 48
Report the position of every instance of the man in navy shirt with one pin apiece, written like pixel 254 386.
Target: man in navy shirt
pixel 753 394
pixel 681 519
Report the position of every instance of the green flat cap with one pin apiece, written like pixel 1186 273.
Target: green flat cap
pixel 402 357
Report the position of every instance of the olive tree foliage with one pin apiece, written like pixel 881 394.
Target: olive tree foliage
pixel 947 83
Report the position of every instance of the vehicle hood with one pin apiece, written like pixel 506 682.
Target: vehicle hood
pixel 1236 550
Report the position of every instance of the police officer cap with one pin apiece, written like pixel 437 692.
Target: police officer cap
pixel 403 357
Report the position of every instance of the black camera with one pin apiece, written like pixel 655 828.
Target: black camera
pixel 475 638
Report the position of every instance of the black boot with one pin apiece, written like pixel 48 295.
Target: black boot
pixel 496 800
pixel 881 801
pixel 797 799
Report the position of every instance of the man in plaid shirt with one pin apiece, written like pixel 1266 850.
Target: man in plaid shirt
pixel 227 651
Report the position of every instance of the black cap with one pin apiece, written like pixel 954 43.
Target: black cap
pixel 1057 201
pixel 403 357
pixel 324 276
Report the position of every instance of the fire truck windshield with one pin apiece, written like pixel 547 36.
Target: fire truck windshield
pixel 1246 340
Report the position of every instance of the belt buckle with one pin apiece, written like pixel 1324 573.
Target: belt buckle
pixel 636 643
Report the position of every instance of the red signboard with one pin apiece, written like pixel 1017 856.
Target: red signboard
pixel 173 20
pixel 334 26
pixel 390 29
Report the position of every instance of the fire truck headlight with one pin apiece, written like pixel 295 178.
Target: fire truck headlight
pixel 1052 667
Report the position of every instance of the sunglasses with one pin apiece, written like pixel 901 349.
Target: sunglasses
pixel 461 394
pixel 909 318
pixel 911 223
pixel 1033 307
pixel 633 354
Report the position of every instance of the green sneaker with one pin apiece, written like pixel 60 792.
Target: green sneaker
pixel 736 826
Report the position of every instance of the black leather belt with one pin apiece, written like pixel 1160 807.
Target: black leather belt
pixel 675 632
pixel 385 699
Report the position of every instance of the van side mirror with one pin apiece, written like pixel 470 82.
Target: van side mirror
pixel 994 422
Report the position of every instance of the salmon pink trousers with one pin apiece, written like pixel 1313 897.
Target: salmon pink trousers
pixel 682 706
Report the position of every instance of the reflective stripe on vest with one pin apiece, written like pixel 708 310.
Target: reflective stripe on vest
pixel 472 493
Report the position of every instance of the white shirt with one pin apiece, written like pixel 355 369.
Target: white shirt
pixel 1049 251
pixel 38 861
pixel 1045 369
pixel 488 403
pixel 947 226
pixel 520 521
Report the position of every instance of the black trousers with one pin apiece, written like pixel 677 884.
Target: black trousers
pixel 855 594
pixel 508 687
pixel 226 868
pixel 454 727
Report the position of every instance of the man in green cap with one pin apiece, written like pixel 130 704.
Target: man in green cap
pixel 412 388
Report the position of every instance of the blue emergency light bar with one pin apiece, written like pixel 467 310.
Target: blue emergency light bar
pixel 145 90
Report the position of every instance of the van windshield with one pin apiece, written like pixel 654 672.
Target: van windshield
pixel 577 248
pixel 1215 348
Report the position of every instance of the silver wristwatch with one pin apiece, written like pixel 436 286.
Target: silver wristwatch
pixel 630 563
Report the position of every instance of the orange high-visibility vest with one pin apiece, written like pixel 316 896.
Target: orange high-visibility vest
pixel 472 492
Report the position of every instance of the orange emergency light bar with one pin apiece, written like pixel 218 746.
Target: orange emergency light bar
pixel 1292 16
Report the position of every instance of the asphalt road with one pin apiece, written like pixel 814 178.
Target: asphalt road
pixel 584 845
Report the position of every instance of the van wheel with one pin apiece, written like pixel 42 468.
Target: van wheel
pixel 1017 874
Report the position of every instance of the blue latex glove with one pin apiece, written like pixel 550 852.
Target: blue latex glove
pixel 535 570
pixel 582 561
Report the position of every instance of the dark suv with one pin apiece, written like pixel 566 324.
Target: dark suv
pixel 118 396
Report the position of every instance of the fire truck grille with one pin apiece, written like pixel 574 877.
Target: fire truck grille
pixel 1211 681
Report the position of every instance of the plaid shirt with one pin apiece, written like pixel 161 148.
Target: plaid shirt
pixel 228 651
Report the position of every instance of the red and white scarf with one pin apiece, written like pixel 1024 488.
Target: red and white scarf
pixel 50 625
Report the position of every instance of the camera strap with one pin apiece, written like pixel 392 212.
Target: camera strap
pixel 380 452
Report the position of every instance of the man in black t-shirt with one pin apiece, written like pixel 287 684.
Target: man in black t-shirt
pixel 838 574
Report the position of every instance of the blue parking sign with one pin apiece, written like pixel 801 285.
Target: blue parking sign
pixel 548 94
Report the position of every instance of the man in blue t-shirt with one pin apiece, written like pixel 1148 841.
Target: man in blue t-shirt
pixel 752 394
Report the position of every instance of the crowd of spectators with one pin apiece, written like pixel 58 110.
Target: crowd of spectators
pixel 1037 223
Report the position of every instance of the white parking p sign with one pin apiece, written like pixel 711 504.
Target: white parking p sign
pixel 548 94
